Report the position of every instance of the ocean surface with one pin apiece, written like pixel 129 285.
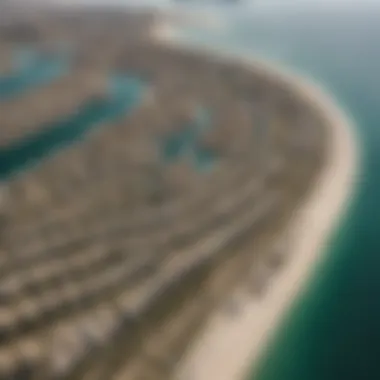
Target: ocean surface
pixel 332 332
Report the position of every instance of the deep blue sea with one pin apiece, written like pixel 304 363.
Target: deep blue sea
pixel 333 330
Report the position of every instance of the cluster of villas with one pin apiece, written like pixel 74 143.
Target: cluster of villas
pixel 127 181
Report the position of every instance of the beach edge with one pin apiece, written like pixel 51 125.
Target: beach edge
pixel 229 348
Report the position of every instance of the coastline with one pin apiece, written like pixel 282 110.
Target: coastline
pixel 230 346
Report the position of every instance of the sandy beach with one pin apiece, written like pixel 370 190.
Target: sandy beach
pixel 229 346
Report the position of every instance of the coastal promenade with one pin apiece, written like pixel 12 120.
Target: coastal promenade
pixel 232 343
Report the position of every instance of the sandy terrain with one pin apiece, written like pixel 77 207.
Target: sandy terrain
pixel 229 345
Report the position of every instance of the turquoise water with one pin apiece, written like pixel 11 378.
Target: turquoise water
pixel 333 330
pixel 31 70
pixel 185 141
pixel 124 93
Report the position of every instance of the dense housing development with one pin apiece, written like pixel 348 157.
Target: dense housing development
pixel 135 175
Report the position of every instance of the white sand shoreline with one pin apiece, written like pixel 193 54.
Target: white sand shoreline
pixel 229 346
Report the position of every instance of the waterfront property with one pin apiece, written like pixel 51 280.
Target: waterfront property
pixel 116 242
pixel 66 127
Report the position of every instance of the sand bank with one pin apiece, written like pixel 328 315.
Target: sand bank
pixel 229 345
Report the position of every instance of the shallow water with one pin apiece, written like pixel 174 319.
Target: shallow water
pixel 186 141
pixel 29 71
pixel 333 330
pixel 125 92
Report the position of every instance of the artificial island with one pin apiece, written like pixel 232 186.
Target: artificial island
pixel 140 183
